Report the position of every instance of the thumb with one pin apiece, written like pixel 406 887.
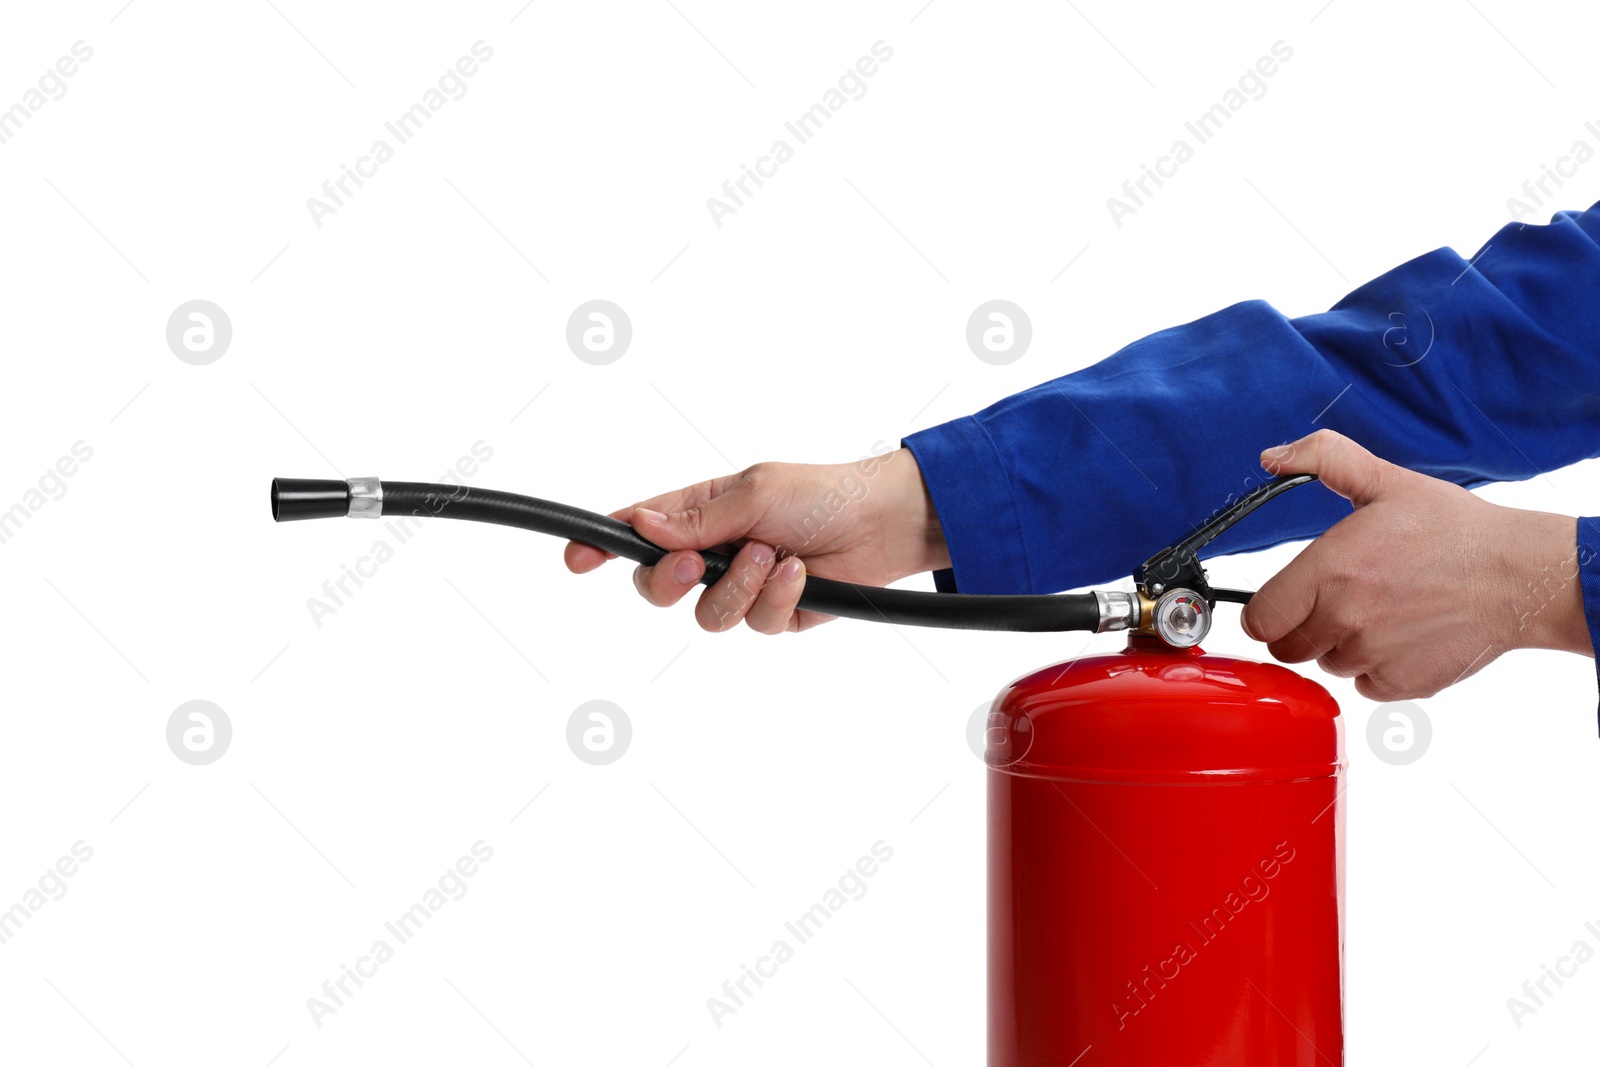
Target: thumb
pixel 1340 464
pixel 721 520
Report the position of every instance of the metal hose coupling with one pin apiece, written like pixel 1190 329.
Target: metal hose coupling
pixel 1118 611
pixel 366 498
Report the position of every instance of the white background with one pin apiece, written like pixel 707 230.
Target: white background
pixel 826 315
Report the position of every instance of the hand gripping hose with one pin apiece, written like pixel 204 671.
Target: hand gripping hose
pixel 300 498
pixel 1173 601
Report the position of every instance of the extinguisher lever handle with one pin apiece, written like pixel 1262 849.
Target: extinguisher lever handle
pixel 1178 565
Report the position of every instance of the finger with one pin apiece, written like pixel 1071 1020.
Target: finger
pixel 1340 463
pixel 1312 639
pixel 719 519
pixel 1377 690
pixel 725 603
pixel 673 575
pixel 691 496
pixel 581 558
pixel 773 612
pixel 1285 602
pixel 1345 661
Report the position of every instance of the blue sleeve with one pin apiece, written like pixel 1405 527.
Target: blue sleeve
pixel 1589 577
pixel 1472 371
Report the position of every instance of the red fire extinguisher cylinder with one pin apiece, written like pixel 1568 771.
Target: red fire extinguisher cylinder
pixel 1165 864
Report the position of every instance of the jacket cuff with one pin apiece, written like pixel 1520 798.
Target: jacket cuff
pixel 971 491
pixel 1589 580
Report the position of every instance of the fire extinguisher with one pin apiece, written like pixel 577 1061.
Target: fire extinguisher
pixel 1166 827
pixel 1166 847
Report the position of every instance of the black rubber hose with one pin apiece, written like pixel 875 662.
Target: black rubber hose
pixel 296 499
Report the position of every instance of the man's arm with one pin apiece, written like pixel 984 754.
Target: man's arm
pixel 1469 371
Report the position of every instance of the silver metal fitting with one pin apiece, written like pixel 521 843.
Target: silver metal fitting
pixel 366 498
pixel 1182 618
pixel 1118 611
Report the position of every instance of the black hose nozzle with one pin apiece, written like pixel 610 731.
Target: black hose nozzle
pixel 309 498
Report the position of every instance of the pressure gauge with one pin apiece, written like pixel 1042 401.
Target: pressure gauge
pixel 1182 618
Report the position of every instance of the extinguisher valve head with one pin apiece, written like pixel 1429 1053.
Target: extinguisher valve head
pixel 1182 618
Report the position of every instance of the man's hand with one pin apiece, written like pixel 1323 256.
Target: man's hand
pixel 870 522
pixel 1422 586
